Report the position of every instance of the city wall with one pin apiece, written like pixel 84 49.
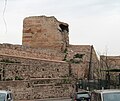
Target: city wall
pixel 26 68
pixel 83 58
pixel 45 65
pixel 28 52
pixel 38 89
pixel 35 78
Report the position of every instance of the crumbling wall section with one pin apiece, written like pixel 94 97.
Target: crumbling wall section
pixel 45 32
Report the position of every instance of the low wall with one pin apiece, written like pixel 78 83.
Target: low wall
pixel 32 89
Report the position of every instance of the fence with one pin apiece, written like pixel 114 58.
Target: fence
pixel 97 84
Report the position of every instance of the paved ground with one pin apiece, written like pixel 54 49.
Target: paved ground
pixel 61 100
pixel 51 99
pixel 65 99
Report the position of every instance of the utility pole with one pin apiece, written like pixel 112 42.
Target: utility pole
pixel 90 64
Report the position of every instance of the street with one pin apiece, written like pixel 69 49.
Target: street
pixel 61 100
pixel 54 100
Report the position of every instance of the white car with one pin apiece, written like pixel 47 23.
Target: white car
pixel 105 95
pixel 81 96
pixel 6 95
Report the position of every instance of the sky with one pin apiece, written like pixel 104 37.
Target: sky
pixel 91 22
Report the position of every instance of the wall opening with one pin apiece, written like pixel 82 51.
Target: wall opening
pixel 0 77
pixel 64 27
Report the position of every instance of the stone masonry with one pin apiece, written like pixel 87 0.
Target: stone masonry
pixel 42 31
pixel 45 65
pixel 28 52
pixel 80 69
pixel 26 68
pixel 31 79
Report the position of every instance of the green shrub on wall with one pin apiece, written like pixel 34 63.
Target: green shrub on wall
pixel 18 78
pixel 9 79
pixel 77 58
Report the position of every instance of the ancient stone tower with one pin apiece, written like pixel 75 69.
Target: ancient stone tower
pixel 45 32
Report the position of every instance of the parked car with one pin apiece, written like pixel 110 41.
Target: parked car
pixel 105 95
pixel 81 96
pixel 6 95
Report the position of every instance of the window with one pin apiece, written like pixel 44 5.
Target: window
pixel 111 96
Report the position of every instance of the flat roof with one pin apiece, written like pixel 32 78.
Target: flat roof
pixel 5 91
pixel 107 91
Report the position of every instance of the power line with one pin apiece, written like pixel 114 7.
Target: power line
pixel 4 16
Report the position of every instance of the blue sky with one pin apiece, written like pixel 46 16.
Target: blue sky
pixel 91 22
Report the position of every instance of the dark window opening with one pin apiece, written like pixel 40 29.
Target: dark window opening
pixel 49 76
pixel 64 27
pixel 0 77
pixel 43 69
pixel 57 70
pixel 16 71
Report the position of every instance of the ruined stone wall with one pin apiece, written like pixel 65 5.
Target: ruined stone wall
pixel 82 49
pixel 35 78
pixel 43 65
pixel 22 68
pixel 80 66
pixel 33 53
pixel 38 89
pixel 27 52
pixel 45 32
